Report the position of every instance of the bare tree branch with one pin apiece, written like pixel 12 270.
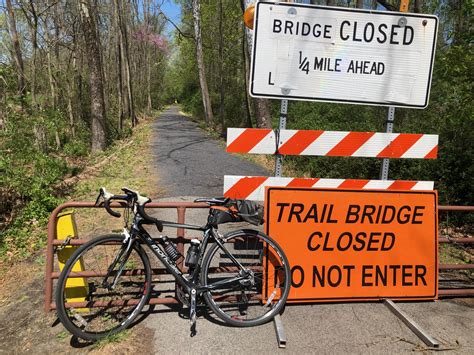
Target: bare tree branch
pixel 387 5
pixel 185 35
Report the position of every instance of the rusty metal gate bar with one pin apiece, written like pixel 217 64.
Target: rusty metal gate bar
pixel 180 239
pixel 455 292
pixel 50 275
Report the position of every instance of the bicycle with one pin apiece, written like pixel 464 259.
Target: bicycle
pixel 243 276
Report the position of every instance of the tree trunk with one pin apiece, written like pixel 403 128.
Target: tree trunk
pixel 70 110
pixel 263 113
pixel 146 50
pixel 460 26
pixel 41 140
pixel 128 73
pixel 262 106
pixel 200 61
pixel 127 76
pixel 120 88
pixel 247 120
pixel 417 6
pixel 16 49
pixel 33 26
pixel 360 4
pixel 89 27
pixel 50 74
pixel 221 69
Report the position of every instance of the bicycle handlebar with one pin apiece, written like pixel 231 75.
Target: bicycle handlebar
pixel 109 210
pixel 155 221
pixel 130 196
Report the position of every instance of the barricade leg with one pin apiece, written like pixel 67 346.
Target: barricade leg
pixel 280 331
pixel 410 323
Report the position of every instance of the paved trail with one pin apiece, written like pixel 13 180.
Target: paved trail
pixel 190 164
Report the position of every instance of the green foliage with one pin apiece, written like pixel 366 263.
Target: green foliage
pixel 76 148
pixel 449 114
pixel 182 75
pixel 29 180
pixel 31 165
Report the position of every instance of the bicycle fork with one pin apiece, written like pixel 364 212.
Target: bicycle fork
pixel 123 256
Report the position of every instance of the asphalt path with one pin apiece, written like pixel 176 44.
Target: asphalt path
pixel 190 164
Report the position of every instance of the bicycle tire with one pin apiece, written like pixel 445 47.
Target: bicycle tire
pixel 240 305
pixel 81 320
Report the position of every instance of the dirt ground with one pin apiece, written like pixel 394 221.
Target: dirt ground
pixel 27 329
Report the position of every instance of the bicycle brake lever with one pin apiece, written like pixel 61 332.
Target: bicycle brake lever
pixel 99 197
pixel 107 195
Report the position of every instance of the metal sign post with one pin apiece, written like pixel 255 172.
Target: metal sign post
pixel 389 129
pixel 282 125
pixel 277 323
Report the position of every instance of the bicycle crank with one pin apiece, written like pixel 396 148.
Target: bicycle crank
pixel 192 310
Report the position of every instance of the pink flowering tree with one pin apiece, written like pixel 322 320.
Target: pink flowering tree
pixel 146 34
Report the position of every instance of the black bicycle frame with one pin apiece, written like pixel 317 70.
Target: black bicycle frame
pixel 209 232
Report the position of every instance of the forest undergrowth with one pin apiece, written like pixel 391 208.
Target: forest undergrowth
pixel 126 162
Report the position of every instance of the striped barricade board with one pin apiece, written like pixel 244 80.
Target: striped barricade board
pixel 332 143
pixel 253 187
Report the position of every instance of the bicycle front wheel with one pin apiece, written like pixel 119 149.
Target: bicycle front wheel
pixel 91 301
pixel 251 295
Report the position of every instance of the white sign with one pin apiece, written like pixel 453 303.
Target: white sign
pixel 317 53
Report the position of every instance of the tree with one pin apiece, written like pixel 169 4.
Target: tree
pixel 221 67
pixel 17 55
pixel 126 75
pixel 206 100
pixel 92 40
pixel 262 106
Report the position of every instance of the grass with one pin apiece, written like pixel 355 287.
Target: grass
pixel 111 339
pixel 452 254
pixel 23 298
pixel 62 335
pixel 132 168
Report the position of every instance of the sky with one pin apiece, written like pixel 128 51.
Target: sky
pixel 173 12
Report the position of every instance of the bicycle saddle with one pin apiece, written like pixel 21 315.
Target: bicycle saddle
pixel 213 201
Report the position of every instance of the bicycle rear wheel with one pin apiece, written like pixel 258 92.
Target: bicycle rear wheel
pixel 262 288
pixel 88 306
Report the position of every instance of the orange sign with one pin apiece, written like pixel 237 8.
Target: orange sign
pixel 356 244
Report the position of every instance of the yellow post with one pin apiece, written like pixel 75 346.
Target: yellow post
pixel 76 288
pixel 404 5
